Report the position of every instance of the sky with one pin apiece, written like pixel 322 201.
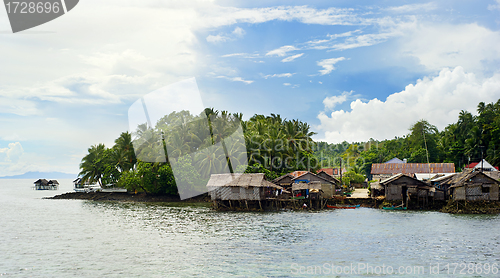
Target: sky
pixel 353 70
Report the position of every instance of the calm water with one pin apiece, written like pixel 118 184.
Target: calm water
pixel 73 238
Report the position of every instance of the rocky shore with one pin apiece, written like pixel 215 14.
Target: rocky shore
pixel 477 207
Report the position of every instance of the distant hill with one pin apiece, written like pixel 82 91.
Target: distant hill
pixel 42 175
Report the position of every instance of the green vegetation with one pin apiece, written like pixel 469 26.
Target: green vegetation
pixel 196 150
pixel 460 143
pixel 274 146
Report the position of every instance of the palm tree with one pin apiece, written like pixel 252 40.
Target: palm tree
pixel 124 152
pixel 93 164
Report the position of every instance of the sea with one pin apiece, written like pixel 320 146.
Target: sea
pixel 76 238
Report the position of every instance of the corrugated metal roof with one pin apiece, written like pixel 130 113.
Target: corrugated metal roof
pixel 411 168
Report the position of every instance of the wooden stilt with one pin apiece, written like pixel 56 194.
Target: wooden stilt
pixel 260 205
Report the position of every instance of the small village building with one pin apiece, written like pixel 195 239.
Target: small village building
pixel 284 181
pixel 328 186
pixel 404 188
pixel 386 170
pixel 334 172
pixel 441 183
pixel 376 189
pixel 242 187
pixel 482 165
pixel 327 176
pixel 307 190
pixel 473 185
pixel 43 184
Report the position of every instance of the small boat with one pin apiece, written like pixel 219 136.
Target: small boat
pixel 394 208
pixel 343 206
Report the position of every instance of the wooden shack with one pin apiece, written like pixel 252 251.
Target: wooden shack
pixel 473 185
pixel 405 188
pixel 327 186
pixel 241 187
pixel 284 181
pixel 43 184
pixel 307 190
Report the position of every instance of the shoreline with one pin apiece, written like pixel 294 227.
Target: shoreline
pixel 451 207
pixel 129 197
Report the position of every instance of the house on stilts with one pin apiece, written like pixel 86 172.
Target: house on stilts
pixel 243 191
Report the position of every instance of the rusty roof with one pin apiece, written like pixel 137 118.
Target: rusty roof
pixel 412 168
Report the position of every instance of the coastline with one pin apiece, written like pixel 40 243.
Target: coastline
pixel 452 207
pixel 129 197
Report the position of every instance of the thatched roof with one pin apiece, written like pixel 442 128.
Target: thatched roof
pixel 327 176
pixel 42 182
pixel 278 179
pixel 240 180
pixel 416 183
pixel 53 182
pixel 461 178
pixel 306 185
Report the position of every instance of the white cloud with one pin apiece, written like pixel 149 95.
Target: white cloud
pixel 327 64
pixel 291 58
pixel 331 102
pixel 492 7
pixel 12 153
pixel 426 7
pixel 282 51
pixel 438 99
pixel 278 75
pixel 237 78
pixel 239 32
pixel 468 45
pixel 242 55
pixel 217 38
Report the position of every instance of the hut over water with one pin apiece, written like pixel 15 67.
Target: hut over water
pixel 241 187
pixel 43 184
pixel 473 185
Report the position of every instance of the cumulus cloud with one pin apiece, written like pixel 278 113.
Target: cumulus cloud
pixel 12 153
pixel 291 58
pixel 327 64
pixel 467 45
pixel 437 99
pixel 331 102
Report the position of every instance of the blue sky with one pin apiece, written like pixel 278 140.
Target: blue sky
pixel 352 70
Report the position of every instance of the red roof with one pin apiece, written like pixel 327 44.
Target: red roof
pixel 473 164
pixel 332 171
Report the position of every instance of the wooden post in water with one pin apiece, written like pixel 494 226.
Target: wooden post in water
pixel 246 203
pixel 260 205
